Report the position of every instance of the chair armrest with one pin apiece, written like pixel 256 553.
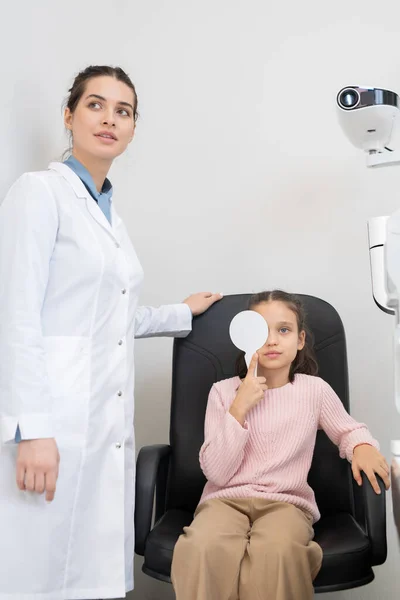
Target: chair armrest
pixel 395 481
pixel 372 516
pixel 151 476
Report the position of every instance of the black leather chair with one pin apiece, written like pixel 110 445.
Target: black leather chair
pixel 352 529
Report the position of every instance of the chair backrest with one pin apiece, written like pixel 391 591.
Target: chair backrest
pixel 207 355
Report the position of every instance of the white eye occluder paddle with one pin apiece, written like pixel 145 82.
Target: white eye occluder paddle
pixel 249 332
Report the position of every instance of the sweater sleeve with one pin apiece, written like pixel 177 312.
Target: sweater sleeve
pixel 224 442
pixel 341 428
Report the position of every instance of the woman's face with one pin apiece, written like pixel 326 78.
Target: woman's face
pixel 102 124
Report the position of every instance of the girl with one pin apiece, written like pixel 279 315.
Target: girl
pixel 69 287
pixel 252 535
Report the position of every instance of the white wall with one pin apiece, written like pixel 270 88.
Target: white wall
pixel 240 178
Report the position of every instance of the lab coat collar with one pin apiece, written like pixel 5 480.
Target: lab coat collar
pixel 81 192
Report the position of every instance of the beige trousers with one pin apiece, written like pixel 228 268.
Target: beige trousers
pixel 246 549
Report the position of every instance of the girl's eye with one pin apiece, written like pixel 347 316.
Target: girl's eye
pixel 284 329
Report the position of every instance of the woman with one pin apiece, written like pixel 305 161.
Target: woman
pixel 70 281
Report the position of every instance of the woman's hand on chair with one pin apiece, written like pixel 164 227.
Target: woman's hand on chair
pixel 199 303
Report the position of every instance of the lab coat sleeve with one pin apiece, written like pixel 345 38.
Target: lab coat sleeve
pixel 171 320
pixel 28 230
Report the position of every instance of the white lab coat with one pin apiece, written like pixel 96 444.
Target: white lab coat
pixel 69 286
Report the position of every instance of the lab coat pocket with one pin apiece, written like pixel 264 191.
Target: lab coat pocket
pixel 68 365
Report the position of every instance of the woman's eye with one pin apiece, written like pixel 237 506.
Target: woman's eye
pixel 94 104
pixel 124 112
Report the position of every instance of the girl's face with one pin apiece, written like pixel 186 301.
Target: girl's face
pixel 284 338
pixel 102 124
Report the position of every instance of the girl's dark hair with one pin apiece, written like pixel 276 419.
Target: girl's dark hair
pixel 78 87
pixel 305 361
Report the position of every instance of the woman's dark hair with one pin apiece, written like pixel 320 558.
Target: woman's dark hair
pixel 305 361
pixel 79 85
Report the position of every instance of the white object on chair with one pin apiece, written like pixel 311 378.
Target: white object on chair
pixel 249 332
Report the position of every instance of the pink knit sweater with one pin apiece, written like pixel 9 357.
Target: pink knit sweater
pixel 270 456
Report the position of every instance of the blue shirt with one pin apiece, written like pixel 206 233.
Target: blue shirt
pixel 102 198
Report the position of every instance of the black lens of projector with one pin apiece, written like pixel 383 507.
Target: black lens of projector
pixel 348 98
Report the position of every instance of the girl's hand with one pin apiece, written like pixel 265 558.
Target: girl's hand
pixel 250 392
pixel 368 459
pixel 199 303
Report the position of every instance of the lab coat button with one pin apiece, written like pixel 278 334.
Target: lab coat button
pixel 118 445
pixel 124 291
pixel 119 393
pixel 117 245
pixel 120 343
